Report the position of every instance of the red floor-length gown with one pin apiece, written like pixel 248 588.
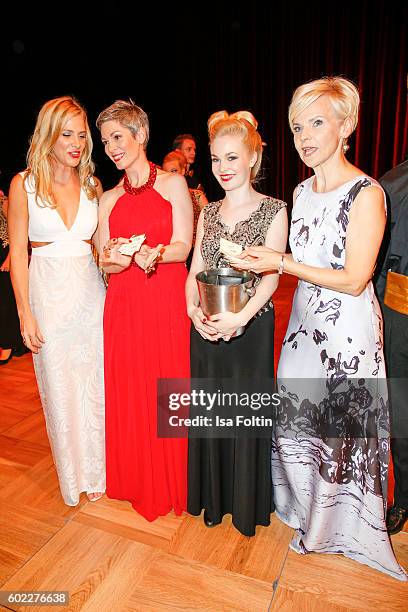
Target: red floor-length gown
pixel 146 337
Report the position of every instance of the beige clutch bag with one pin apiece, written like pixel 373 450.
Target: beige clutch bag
pixel 396 292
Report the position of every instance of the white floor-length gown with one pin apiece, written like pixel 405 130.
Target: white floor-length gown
pixel 66 294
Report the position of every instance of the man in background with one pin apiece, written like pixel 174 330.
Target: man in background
pixel 187 145
pixel 392 289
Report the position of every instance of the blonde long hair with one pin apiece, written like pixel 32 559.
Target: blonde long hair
pixel 242 124
pixel 49 125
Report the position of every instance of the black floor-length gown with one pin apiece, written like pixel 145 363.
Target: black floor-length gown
pixel 233 475
pixel 10 336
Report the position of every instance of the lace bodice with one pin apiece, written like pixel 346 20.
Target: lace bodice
pixel 249 232
pixel 3 224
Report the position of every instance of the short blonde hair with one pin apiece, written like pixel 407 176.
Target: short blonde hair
pixel 50 123
pixel 343 95
pixel 242 124
pixel 128 114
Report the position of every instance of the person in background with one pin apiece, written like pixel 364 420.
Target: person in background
pixel 392 290
pixel 11 342
pixel 54 204
pixel 176 162
pixel 146 327
pixel 330 449
pixel 232 475
pixel 186 144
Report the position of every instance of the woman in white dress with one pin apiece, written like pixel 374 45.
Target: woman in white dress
pixel 60 297
pixel 330 450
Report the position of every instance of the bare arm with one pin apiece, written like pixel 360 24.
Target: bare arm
pixel 192 297
pixel 18 234
pixel 276 239
pixel 111 261
pixel 197 265
pixel 182 217
pixel 99 192
pixel 363 239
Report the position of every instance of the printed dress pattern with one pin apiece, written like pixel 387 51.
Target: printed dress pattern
pixel 330 450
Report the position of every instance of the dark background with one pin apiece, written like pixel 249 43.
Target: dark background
pixel 183 63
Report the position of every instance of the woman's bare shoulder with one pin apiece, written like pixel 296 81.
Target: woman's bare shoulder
pixel 17 180
pixel 109 197
pixel 172 186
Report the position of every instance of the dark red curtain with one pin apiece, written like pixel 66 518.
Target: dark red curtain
pixel 183 63
pixel 255 57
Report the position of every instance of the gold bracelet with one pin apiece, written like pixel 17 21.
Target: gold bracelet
pixel 281 265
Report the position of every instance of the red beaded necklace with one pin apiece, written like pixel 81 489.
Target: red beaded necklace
pixel 149 183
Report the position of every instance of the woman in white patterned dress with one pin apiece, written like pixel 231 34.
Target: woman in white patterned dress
pixel 330 449
pixel 60 297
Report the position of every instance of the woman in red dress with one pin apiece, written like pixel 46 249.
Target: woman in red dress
pixel 146 327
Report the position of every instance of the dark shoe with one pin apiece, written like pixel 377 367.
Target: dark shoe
pixel 208 522
pixel 20 351
pixel 396 518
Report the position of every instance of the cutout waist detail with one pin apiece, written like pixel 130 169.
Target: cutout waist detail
pixel 36 245
pixel 61 248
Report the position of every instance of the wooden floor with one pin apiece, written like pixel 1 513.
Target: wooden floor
pixel 110 559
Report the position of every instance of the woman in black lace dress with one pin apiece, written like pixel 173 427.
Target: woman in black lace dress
pixel 11 342
pixel 232 475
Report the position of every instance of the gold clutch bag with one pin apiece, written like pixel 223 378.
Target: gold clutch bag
pixel 396 292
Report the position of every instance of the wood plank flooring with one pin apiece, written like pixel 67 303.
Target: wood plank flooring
pixel 111 559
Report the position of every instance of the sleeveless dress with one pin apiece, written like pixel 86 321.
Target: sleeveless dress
pixel 146 338
pixel 66 296
pixel 232 475
pixel 330 449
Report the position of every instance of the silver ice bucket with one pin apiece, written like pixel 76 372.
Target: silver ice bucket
pixel 224 289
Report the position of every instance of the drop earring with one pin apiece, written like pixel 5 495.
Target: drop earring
pixel 345 146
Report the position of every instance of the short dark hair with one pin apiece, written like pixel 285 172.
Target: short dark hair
pixel 178 141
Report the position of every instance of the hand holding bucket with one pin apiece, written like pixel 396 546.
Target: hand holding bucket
pixel 224 290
